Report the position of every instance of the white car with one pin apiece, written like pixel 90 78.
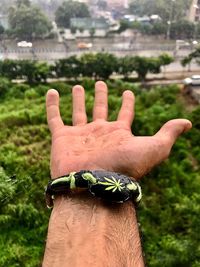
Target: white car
pixel 194 80
pixel 24 44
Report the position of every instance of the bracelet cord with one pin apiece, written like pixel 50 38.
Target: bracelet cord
pixel 110 186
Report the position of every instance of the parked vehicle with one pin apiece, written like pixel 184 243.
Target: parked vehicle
pixel 194 80
pixel 24 44
pixel 83 45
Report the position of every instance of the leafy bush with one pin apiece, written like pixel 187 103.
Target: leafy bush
pixel 18 90
pixel 4 86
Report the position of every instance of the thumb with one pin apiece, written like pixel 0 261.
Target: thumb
pixel 171 130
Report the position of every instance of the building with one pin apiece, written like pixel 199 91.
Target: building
pixel 88 23
pixel 194 12
pixel 117 3
pixel 86 27
pixel 88 2
pixel 4 21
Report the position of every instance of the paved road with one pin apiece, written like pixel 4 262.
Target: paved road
pixel 52 50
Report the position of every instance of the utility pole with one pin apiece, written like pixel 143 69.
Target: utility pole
pixel 195 23
pixel 170 19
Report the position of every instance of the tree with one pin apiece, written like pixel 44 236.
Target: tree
pixel 68 10
pixel 159 28
pixel 142 7
pixel 42 71
pixel 68 67
pixel 34 71
pixel 166 9
pixel 5 5
pixel 19 3
pixel 126 65
pixel 92 32
pixel 143 65
pixel 10 69
pixel 192 56
pixel 102 4
pixel 81 29
pixel 165 59
pixel 5 85
pixel 106 64
pixel 2 30
pixel 124 25
pixel 28 22
pixel 73 30
pixel 182 30
pixel 89 62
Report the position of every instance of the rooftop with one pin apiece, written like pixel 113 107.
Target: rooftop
pixel 89 23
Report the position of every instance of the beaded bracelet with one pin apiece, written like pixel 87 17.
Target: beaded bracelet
pixel 109 186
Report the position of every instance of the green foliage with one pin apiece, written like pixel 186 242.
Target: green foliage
pixel 4 86
pixel 18 91
pixel 92 32
pixel 28 22
pixel 30 70
pixel 124 25
pixel 156 28
pixel 19 3
pixel 69 67
pixel 182 30
pixel 2 30
pixel 169 212
pixel 103 65
pixel 9 68
pixel 106 64
pixel 165 59
pixel 161 7
pixel 144 65
pixel 73 30
pixel 102 4
pixel 175 11
pixel 192 56
pixel 97 66
pixel 88 62
pixel 70 9
pixel 126 66
pixel 159 28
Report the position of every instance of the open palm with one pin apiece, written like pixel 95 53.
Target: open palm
pixel 103 145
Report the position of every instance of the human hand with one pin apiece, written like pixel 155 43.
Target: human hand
pixel 103 145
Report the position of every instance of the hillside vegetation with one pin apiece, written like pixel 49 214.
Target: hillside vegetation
pixel 169 213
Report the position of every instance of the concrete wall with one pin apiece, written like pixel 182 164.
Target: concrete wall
pixel 193 12
pixel 84 34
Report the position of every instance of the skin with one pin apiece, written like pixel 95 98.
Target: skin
pixel 82 230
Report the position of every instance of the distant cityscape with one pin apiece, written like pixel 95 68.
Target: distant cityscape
pixel 110 26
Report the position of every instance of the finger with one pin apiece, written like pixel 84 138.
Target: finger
pixel 79 116
pixel 126 112
pixel 53 113
pixel 101 101
pixel 171 130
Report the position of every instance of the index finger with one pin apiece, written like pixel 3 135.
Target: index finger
pixel 53 112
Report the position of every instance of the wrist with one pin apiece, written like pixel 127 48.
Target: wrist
pixel 74 165
pixel 83 225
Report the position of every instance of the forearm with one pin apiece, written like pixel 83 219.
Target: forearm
pixel 83 232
